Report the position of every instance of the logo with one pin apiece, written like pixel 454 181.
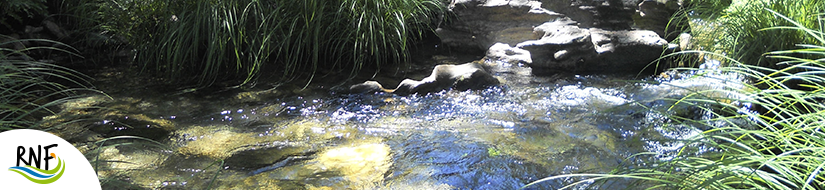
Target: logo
pixel 35 173
pixel 40 160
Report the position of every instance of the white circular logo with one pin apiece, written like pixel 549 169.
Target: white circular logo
pixel 39 160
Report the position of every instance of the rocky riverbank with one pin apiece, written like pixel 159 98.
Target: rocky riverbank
pixel 551 37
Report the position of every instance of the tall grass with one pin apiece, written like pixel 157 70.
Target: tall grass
pixel 735 28
pixel 30 90
pixel 779 145
pixel 204 42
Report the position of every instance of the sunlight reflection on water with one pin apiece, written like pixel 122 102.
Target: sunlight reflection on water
pixel 499 138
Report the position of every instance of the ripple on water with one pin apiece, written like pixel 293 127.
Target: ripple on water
pixel 499 138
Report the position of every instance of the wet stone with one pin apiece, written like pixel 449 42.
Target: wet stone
pixel 258 157
pixel 258 96
pixel 133 125
pixel 342 167
pixel 473 75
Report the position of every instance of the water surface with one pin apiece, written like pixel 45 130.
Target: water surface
pixel 502 137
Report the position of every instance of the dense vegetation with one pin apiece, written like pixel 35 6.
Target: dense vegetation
pixel 777 143
pixel 737 28
pixel 31 90
pixel 203 42
pixel 17 11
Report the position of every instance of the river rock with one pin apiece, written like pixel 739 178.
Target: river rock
pixel 625 50
pixel 561 36
pixel 466 76
pixel 252 157
pixel 506 53
pixel 247 150
pixel 566 47
pixel 141 125
pixel 482 23
pixel 605 14
pixel 56 30
pixel 656 15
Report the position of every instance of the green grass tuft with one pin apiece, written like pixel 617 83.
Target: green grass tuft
pixel 735 29
pixel 203 43
pixel 31 90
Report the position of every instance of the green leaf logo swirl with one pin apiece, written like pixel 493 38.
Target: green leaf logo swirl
pixel 40 176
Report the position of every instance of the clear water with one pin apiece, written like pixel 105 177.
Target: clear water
pixel 502 137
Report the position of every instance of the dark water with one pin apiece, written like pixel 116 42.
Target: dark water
pixel 502 137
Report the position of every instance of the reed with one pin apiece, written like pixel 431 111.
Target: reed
pixel 203 43
pixel 735 29
pixel 31 90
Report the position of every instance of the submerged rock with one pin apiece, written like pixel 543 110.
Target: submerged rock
pixel 95 117
pixel 358 166
pixel 460 77
pixel 361 164
pixel 266 153
pixel 252 150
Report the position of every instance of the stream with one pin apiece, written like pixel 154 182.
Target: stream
pixel 289 137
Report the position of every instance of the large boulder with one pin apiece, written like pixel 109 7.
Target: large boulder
pixel 624 50
pixel 466 76
pixel 605 14
pixel 482 23
pixel 656 15
pixel 566 48
pixel 579 36
pixel 563 47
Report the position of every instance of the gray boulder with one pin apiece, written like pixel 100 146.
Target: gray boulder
pixel 580 36
pixel 565 47
pixel 605 14
pixel 624 50
pixel 656 15
pixel 481 23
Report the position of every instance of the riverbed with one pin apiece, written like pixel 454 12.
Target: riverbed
pixel 317 136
